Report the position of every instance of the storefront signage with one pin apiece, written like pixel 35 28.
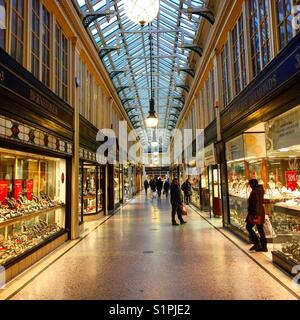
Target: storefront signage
pixel 284 131
pixel 235 149
pixel 291 179
pixel 18 188
pixel 29 189
pixel 3 190
pixel 209 155
pixel 284 67
pixel 37 98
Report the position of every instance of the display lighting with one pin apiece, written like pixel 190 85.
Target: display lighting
pixel 141 11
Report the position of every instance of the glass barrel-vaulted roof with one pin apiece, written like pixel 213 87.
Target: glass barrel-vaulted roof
pixel 171 30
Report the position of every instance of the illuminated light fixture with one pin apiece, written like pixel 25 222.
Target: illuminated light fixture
pixel 155 153
pixel 152 120
pixel 141 11
pixel 154 144
pixel 283 150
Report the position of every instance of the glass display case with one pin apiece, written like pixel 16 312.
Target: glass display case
pixel 283 151
pixel 91 189
pixel 80 181
pixel 246 159
pixel 32 201
pixel 89 194
pixel 195 198
pixel 204 191
pixel 116 177
pixel 100 188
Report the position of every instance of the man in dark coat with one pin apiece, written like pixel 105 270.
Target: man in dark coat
pixel 166 188
pixel 176 202
pixel 146 186
pixel 152 187
pixel 159 185
pixel 256 216
pixel 187 190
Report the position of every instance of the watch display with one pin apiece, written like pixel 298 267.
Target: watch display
pixel 32 201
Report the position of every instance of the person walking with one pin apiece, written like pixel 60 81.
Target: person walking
pixel 146 186
pixel 176 202
pixel 166 188
pixel 152 187
pixel 187 190
pixel 159 185
pixel 256 217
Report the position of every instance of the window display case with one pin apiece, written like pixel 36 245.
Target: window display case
pixel 32 201
pixel 91 188
pixel 89 194
pixel 204 191
pixel 117 173
pixel 246 159
pixel 195 198
pixel 283 151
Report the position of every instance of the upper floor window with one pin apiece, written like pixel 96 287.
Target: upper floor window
pixel 17 30
pixel 46 47
pixel 61 64
pixel 287 23
pixel 35 39
pixel 239 59
pixel 3 23
pixel 259 34
pixel 226 76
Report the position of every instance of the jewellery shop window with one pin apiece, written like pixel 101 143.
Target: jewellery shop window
pixel 32 201
pixel 246 159
pixel 89 195
pixel 283 151
pixel 117 185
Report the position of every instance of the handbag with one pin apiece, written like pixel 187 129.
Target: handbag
pixel 183 211
pixel 254 219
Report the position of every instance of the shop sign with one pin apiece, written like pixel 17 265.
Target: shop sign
pixel 40 100
pixel 29 189
pixel 285 130
pixel 291 179
pixel 209 155
pixel 235 149
pixel 18 188
pixel 3 190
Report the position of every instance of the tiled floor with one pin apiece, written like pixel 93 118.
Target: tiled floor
pixel 137 254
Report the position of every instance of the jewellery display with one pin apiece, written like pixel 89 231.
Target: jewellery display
pixel 32 201
pixel 25 238
pixel 23 206
pixel 195 198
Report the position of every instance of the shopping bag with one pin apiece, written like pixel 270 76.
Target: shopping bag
pixel 183 211
pixel 269 232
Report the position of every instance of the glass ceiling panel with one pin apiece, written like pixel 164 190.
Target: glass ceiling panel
pixel 170 28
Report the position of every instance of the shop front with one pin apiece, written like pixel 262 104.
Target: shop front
pixel 35 166
pixel 115 186
pixel 91 189
pixel 262 141
pixel 129 182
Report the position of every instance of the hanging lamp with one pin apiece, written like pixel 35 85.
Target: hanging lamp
pixel 152 119
pixel 141 11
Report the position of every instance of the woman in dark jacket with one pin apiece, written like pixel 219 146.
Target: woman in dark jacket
pixel 256 217
pixel 187 190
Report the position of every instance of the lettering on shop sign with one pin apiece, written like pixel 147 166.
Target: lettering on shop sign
pixel 298 61
pixel 2 76
pixel 37 98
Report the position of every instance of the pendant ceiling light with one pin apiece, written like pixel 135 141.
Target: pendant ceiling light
pixel 141 11
pixel 152 119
